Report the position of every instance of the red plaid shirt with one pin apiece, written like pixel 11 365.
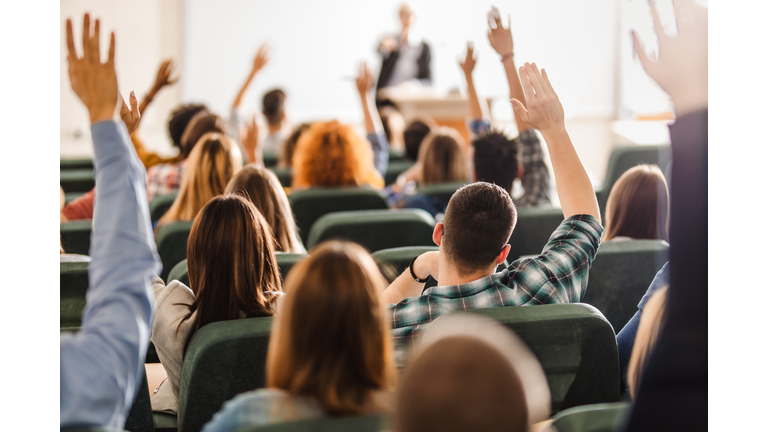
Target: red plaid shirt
pixel 164 179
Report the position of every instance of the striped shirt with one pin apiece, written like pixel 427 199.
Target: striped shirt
pixel 558 275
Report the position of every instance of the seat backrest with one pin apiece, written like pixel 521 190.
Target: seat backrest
pixel 284 175
pixel 285 261
pixel 310 204
pixel 441 191
pixel 171 242
pixel 76 236
pixel 76 180
pixel 400 258
pixel 160 205
pixel 73 284
pixel 328 424
pixel 394 169
pixel 533 229
pixel 223 360
pixel 620 276
pixel 624 158
pixel 270 158
pixel 606 417
pixel 575 346
pixel 376 229
pixel 72 164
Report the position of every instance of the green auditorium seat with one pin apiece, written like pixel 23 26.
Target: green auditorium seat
pixel 394 169
pixel 338 424
pixel 376 229
pixel 285 261
pixel 441 191
pixel 270 158
pixel 285 175
pixel 533 229
pixel 73 164
pixel 160 205
pixel 620 276
pixel 76 236
pixel 396 155
pixel 223 360
pixel 73 283
pixel 624 158
pixel 575 345
pixel 76 180
pixel 92 429
pixel 71 196
pixel 310 204
pixel 171 242
pixel 400 258
pixel 605 417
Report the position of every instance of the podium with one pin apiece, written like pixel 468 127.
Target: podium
pixel 451 109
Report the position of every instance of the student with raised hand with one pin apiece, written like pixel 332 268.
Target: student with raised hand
pixel 496 158
pixel 100 365
pixel 478 224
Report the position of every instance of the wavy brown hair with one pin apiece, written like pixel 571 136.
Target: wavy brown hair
pixel 331 339
pixel 231 263
pixel 442 157
pixel 332 154
pixel 638 205
pixel 210 166
pixel 263 189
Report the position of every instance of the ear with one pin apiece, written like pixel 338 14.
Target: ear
pixel 503 255
pixel 437 234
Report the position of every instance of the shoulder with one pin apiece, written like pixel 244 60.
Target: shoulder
pixel 260 407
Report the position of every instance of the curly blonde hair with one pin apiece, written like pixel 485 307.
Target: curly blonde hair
pixel 332 154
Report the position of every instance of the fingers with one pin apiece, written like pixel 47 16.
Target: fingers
pixel 134 105
pixel 111 55
pixel 71 42
pixel 640 52
pixel 95 41
pixel 546 79
pixel 527 87
pixel 520 109
pixel 657 21
pixel 535 77
pixel 86 37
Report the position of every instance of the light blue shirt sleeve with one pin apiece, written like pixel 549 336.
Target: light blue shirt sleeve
pixel 380 147
pixel 100 366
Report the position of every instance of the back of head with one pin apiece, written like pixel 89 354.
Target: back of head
pixel 638 205
pixel 273 106
pixel 202 123
pixel 461 383
pixel 495 159
pixel 333 154
pixel 442 157
pixel 180 119
pixel 212 163
pixel 651 322
pixel 331 340
pixel 231 262
pixel 477 225
pixel 263 189
pixel 414 135
pixel 289 146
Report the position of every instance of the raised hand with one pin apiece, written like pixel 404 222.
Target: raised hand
pixel 681 68
pixel 94 82
pixel 469 61
pixel 250 140
pixel 388 44
pixel 261 59
pixel 499 37
pixel 364 80
pixel 131 116
pixel 163 77
pixel 545 112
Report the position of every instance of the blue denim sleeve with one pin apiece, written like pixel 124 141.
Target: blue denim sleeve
pixel 380 147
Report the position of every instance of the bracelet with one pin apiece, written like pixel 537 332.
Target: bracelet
pixel 507 56
pixel 414 274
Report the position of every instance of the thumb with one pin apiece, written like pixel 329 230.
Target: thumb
pixel 134 104
pixel 520 109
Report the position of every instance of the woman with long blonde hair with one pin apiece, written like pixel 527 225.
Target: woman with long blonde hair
pixel 263 189
pixel 233 274
pixel 330 351
pixel 214 160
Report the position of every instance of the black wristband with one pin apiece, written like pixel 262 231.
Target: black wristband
pixel 414 274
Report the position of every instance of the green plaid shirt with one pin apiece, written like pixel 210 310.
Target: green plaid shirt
pixel 558 275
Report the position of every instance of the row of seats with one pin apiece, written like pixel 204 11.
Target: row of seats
pixel 574 343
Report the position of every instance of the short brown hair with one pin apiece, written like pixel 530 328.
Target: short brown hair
pixel 442 157
pixel 478 223
pixel 638 205
pixel 331 339
pixel 273 106
pixel 202 123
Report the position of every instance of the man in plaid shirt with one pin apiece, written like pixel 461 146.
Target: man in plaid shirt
pixel 478 224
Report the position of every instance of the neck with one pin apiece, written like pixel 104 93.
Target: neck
pixel 275 128
pixel 450 276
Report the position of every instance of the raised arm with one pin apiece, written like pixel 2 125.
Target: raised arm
pixel 162 79
pixel 476 111
pixel 501 41
pixel 545 114
pixel 373 128
pixel 261 59
pixel 100 365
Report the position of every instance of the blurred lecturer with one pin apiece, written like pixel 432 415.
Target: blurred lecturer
pixel 405 59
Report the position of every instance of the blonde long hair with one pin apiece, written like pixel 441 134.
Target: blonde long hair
pixel 263 189
pixel 651 322
pixel 214 160
pixel 442 157
pixel 331 340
